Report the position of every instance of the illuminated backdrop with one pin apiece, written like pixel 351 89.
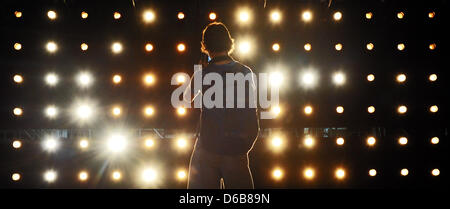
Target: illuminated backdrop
pixel 85 88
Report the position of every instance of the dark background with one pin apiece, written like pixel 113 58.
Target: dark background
pixel 99 30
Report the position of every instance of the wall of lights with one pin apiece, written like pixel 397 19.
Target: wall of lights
pixel 86 92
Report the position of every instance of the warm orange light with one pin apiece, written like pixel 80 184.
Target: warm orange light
pixel 401 46
pixel 400 15
pixel 17 111
pixel 148 16
pixel 84 47
pixel 370 46
pixel 339 173
pixel 181 47
pixel 17 46
pixel 149 79
pixel 180 15
pixel 369 15
pixel 18 14
pixel 431 15
pixel 432 46
pixel 84 15
pixel 434 140
pixel 307 16
pixel 117 15
pixel 338 47
pixel 181 111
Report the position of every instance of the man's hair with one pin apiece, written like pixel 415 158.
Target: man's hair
pixel 216 38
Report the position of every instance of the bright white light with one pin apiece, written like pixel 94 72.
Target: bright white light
pixel 149 16
pixel 17 144
pixel 372 172
pixel 116 111
pixel 244 47
pixel 307 16
pixel 435 172
pixel 212 16
pixel 340 173
pixel 337 16
pixel 404 172
pixel 117 143
pixel 275 79
pixel 403 140
pixel 339 109
pixel 371 109
pixel 116 47
pixel 84 112
pixel 309 142
pixel 339 78
pixel 277 174
pixel 149 111
pixel 244 16
pixel 181 143
pixel 340 141
pixel 18 78
pixel 149 175
pixel 51 47
pixel 434 140
pixel 149 143
pixel 277 142
pixel 15 177
pixel 309 173
pixel 50 176
pixel 402 109
pixel 83 176
pixel 181 175
pixel 84 143
pixel 275 16
pixel 50 144
pixel 309 79
pixel 181 111
pixel 371 141
pixel 17 111
pixel 84 79
pixel 51 111
pixel 116 176
pixel 308 110
pixel 51 15
pixel 51 79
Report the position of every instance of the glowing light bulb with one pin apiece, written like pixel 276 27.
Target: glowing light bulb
pixel 212 16
pixel 51 15
pixel 340 141
pixel 307 16
pixel 337 16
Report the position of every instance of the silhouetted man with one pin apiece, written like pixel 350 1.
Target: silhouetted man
pixel 227 133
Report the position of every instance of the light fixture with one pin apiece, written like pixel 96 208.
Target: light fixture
pixel 51 15
pixel 17 111
pixel 148 16
pixel 18 78
pixel 307 16
pixel 51 47
pixel 212 16
pixel 337 16
pixel 17 46
pixel 371 141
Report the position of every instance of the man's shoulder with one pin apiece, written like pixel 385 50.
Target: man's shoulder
pixel 243 68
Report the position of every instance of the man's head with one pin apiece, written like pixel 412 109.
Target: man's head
pixel 216 39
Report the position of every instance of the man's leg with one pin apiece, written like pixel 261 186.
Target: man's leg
pixel 236 172
pixel 204 172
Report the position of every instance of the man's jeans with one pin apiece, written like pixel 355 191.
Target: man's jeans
pixel 206 170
